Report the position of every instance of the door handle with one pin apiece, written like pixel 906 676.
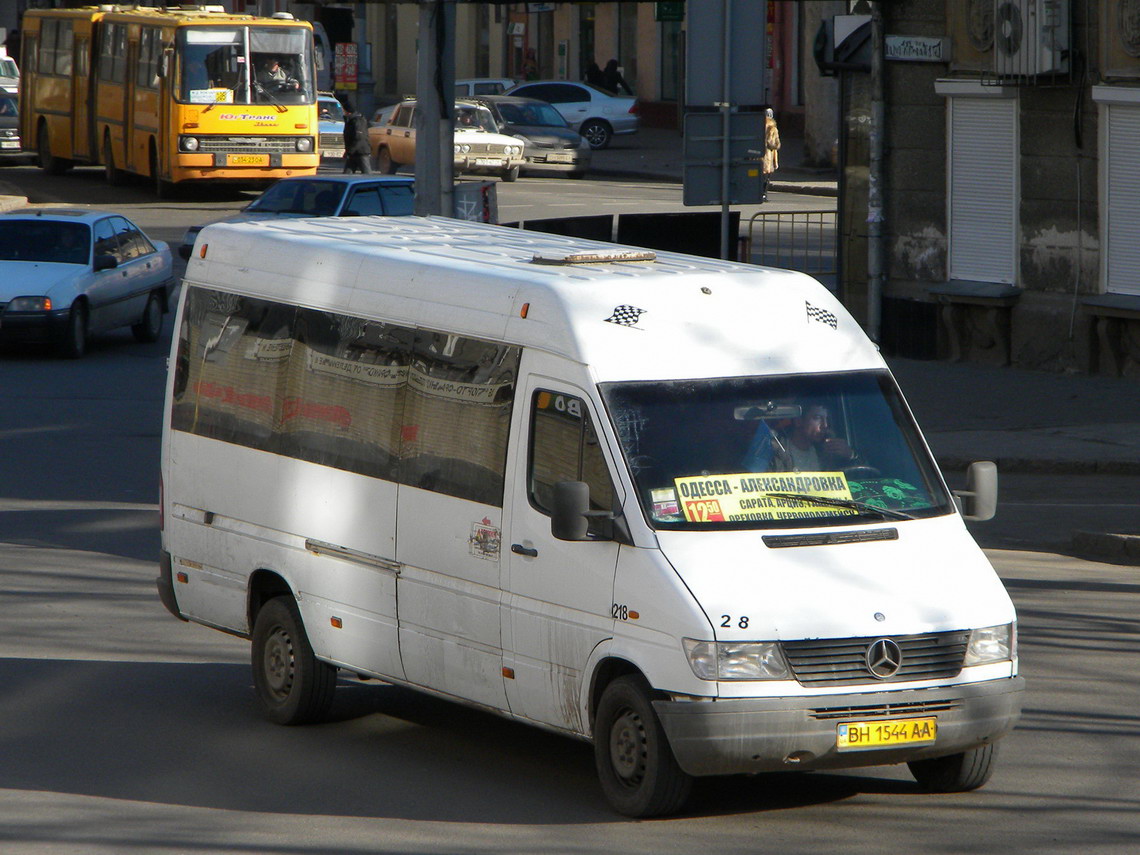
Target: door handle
pixel 519 549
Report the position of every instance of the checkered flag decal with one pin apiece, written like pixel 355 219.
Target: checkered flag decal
pixel 815 313
pixel 625 316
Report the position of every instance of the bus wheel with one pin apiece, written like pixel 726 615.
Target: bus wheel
pixel 292 685
pixel 113 173
pixel 639 775
pixel 49 163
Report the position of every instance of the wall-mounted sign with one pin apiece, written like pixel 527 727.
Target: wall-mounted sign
pixel 915 48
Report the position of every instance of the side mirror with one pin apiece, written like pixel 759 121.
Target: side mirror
pixel 570 519
pixel 978 502
pixel 105 262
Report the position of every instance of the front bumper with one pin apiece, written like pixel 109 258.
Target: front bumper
pixel 750 735
pixel 33 327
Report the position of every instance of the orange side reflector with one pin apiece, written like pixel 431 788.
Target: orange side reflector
pixel 337 623
pixel 183 578
pixel 509 673
pixel 188 125
pixel 301 126
pixel 202 251
pixel 634 615
pixel 524 310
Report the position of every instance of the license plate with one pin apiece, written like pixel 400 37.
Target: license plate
pixel 8 144
pixel 862 735
pixel 247 160
pixel 560 158
pixel 488 161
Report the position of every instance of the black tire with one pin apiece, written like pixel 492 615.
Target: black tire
pixel 511 174
pixel 149 327
pixel 113 174
pixel 957 773
pixel 74 343
pixel 384 163
pixel 597 133
pixel 639 775
pixel 49 163
pixel 292 685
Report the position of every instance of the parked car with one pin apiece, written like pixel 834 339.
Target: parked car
pixel 483 86
pixel 549 144
pixel 322 196
pixel 479 147
pixel 330 115
pixel 65 275
pixel 9 125
pixel 595 114
pixel 9 72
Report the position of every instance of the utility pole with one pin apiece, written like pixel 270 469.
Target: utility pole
pixel 875 216
pixel 435 115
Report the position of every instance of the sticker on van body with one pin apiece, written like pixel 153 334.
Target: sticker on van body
pixel 626 316
pixel 485 540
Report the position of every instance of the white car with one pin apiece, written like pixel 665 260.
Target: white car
pixel 483 86
pixel 596 115
pixel 478 145
pixel 331 124
pixel 67 274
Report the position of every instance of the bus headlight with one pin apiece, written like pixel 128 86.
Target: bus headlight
pixel 991 644
pixel 304 144
pixel 187 143
pixel 736 660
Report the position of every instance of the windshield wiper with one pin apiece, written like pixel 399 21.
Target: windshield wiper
pixel 854 505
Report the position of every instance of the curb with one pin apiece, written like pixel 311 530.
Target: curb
pixel 11 203
pixel 1107 547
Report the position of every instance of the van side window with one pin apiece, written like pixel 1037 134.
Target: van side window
pixel 427 409
pixel 564 447
pixel 457 416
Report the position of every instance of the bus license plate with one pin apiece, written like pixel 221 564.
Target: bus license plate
pixel 247 160
pixel 861 735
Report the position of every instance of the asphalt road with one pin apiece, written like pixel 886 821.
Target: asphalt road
pixel 127 731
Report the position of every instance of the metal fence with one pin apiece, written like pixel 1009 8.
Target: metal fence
pixel 796 240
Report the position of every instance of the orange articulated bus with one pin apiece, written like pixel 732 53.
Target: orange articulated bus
pixel 174 95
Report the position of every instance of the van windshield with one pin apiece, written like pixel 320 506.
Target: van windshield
pixel 774 452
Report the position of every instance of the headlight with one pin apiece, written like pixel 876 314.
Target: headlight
pixel 304 143
pixel 514 150
pixel 992 644
pixel 187 143
pixel 736 660
pixel 29 304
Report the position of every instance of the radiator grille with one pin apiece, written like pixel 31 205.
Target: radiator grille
pixel 247 145
pixel 878 710
pixel 332 141
pixel 843 661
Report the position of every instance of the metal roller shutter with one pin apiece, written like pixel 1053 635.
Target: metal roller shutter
pixel 983 189
pixel 1122 200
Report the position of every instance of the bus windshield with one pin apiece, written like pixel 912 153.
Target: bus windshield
pixel 771 452
pixel 215 65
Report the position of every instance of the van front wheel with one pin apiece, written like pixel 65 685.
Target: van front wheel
pixel 639 775
pixel 292 685
pixel 956 773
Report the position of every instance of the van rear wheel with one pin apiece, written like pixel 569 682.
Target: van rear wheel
pixel 956 773
pixel 639 775
pixel 292 685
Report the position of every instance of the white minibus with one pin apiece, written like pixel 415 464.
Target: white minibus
pixel 671 505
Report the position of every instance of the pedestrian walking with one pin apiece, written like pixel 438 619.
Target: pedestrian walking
pixel 356 147
pixel 771 148
pixel 594 75
pixel 612 79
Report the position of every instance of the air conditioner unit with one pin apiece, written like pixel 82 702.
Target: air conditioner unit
pixel 1031 37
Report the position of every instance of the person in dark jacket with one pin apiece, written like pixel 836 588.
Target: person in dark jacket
pixel 594 75
pixel 612 79
pixel 356 146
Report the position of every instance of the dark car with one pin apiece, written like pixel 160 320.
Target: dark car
pixel 323 196
pixel 549 143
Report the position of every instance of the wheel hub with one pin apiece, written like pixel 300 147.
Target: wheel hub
pixel 627 747
pixel 279 663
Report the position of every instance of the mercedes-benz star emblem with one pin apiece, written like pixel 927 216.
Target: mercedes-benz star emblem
pixel 884 658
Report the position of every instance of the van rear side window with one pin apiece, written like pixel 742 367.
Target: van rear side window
pixel 422 408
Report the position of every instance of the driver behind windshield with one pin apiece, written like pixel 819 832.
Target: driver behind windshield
pixel 804 443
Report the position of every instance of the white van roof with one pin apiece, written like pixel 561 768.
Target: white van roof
pixel 675 316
